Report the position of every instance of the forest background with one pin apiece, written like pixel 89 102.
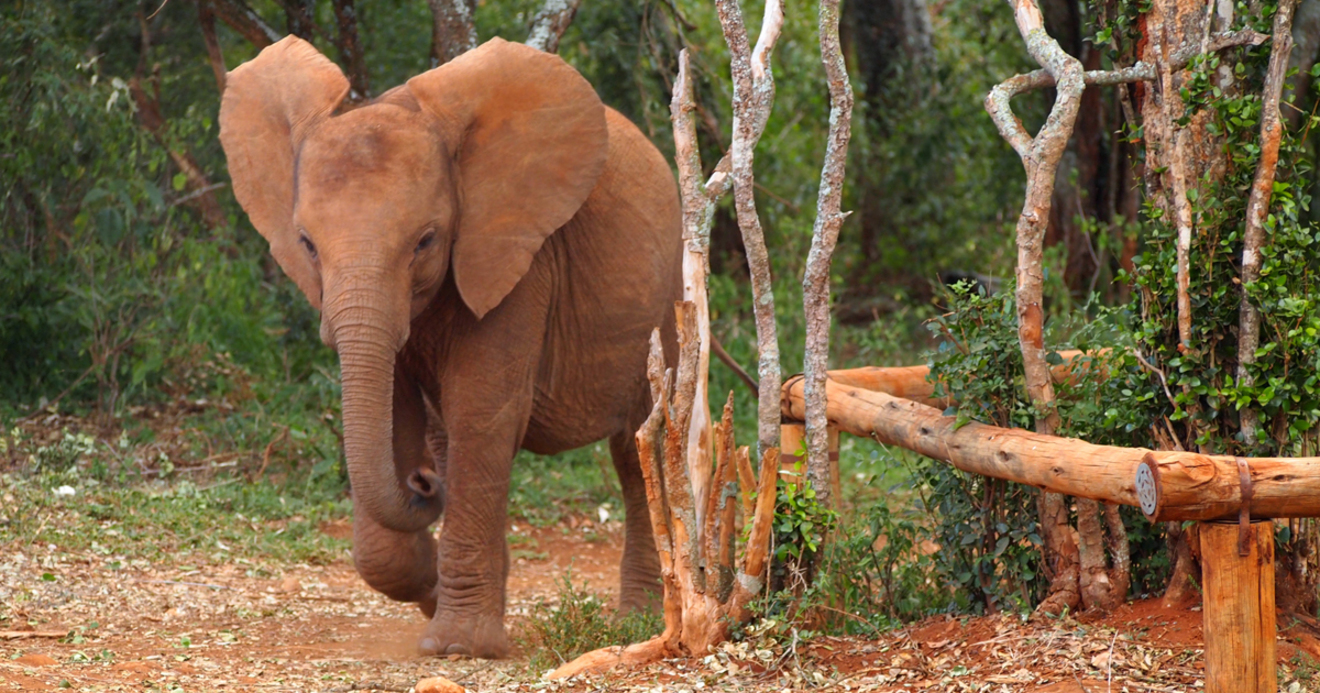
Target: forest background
pixel 133 288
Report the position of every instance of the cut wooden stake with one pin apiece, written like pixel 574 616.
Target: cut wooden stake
pixel 1238 608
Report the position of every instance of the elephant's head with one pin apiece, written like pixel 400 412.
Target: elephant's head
pixel 468 168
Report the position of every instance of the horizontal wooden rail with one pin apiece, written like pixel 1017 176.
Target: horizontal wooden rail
pixel 1166 485
pixel 1188 486
pixel 909 382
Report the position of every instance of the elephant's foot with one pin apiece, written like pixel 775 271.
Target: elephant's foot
pixel 472 636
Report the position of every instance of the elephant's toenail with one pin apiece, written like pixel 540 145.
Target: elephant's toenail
pixel 457 649
pixel 429 645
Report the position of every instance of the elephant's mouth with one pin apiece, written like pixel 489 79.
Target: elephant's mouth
pixel 428 490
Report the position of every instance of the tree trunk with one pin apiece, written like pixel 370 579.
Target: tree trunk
pixel 350 50
pixel 300 18
pixel 452 30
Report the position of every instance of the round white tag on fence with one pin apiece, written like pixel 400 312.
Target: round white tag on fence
pixel 1146 493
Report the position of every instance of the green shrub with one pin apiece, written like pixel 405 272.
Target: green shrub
pixel 577 622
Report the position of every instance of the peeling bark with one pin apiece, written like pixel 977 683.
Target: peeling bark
pixel 1040 157
pixel 825 234
pixel 550 23
pixel 698 210
pixel 452 30
pixel 753 95
pixel 1098 587
pixel 1258 207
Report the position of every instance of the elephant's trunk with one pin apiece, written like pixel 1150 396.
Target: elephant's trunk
pixel 399 498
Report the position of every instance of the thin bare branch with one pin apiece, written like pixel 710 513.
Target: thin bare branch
pixel 150 115
pixel 452 30
pixel 1258 205
pixel 997 103
pixel 245 21
pixel 698 215
pixel 825 234
pixel 753 94
pixel 206 21
pixel 350 50
pixel 550 23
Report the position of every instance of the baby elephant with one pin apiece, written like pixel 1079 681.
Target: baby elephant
pixel 490 248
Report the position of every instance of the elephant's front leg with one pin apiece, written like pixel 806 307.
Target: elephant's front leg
pixel 485 422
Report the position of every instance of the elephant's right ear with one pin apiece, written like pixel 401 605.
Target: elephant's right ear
pixel 269 106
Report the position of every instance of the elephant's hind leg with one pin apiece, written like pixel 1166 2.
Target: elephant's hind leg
pixel 400 565
pixel 639 573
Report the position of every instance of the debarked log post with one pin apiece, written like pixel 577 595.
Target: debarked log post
pixel 1237 552
pixel 1188 486
pixel 1237 572
pixel 792 465
pixel 1063 465
pixel 1166 485
pixel 911 382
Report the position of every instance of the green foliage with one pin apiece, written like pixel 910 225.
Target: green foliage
pixel 136 521
pixel 801 523
pixel 988 527
pixel 577 622
pixel 987 533
pixel 880 572
pixel 978 359
pixel 545 489
pixel 108 282
pixel 928 172
pixel 1203 395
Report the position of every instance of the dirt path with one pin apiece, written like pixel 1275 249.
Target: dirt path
pixel 241 626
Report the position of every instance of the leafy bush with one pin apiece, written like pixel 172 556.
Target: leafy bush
pixel 577 622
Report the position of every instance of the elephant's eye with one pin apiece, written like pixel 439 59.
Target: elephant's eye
pixel 428 240
pixel 308 244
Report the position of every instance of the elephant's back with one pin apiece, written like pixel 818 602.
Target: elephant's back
pixel 619 269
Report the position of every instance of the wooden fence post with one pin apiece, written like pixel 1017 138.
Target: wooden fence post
pixel 791 437
pixel 1238 603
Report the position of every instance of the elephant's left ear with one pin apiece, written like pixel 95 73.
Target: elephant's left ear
pixel 269 105
pixel 532 141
